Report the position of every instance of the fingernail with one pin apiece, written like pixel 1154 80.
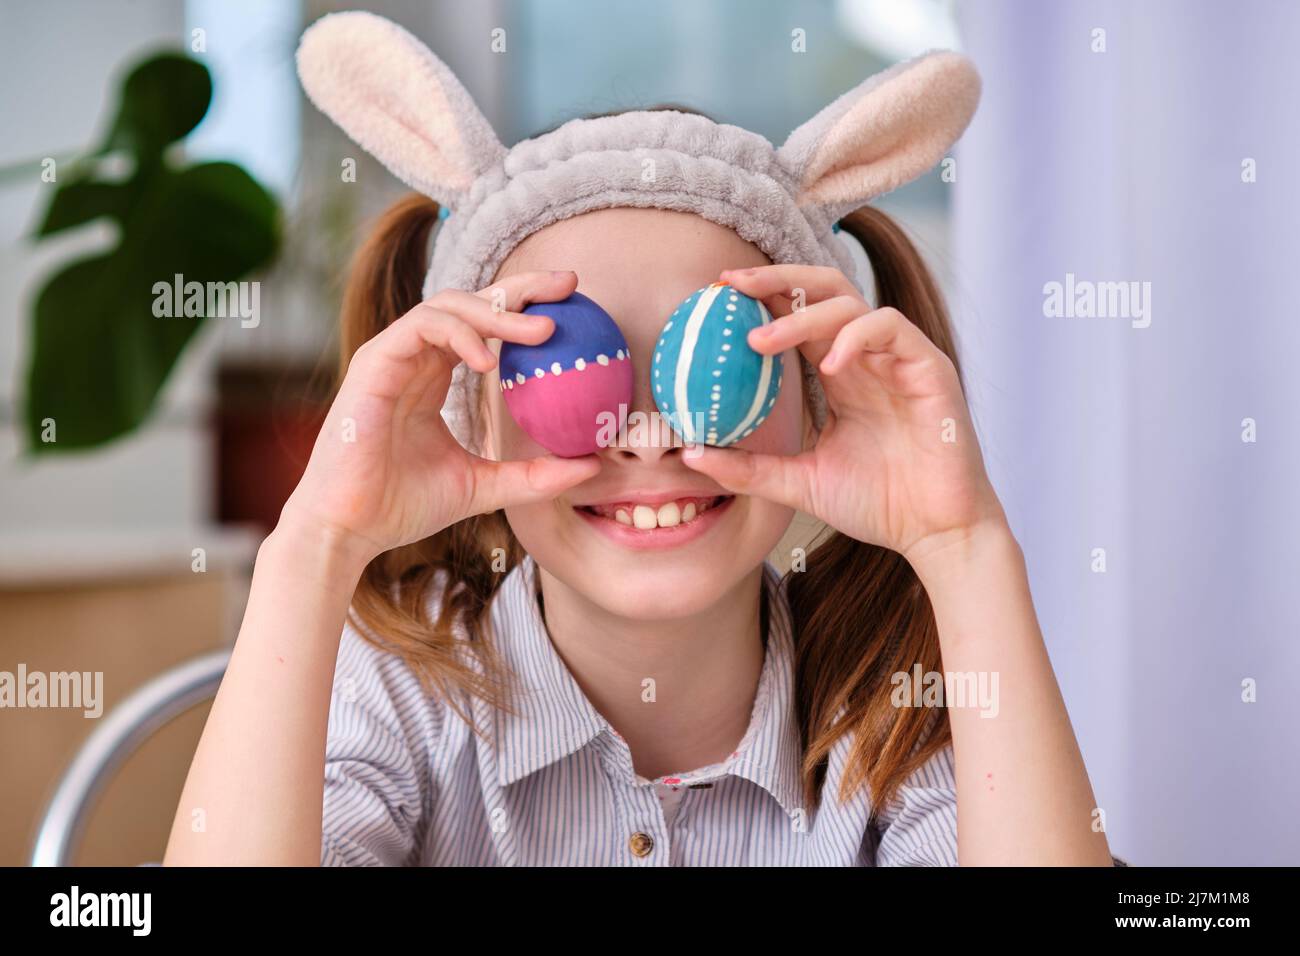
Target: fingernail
pixel 829 360
pixel 563 273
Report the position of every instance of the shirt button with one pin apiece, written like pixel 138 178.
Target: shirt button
pixel 641 843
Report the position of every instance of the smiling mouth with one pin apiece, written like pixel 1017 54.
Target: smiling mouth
pixel 641 517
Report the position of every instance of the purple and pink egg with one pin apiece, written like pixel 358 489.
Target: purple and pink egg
pixel 568 392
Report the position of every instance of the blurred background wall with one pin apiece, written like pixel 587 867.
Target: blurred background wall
pixel 1111 156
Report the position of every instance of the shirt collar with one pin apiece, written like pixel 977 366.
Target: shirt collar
pixel 553 718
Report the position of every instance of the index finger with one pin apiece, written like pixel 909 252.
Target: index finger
pixel 513 292
pixel 817 282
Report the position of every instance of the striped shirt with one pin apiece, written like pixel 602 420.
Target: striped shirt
pixel 408 782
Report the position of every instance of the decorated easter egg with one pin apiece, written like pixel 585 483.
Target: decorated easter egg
pixel 707 381
pixel 571 392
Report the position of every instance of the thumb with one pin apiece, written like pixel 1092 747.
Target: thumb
pixel 779 478
pixel 499 484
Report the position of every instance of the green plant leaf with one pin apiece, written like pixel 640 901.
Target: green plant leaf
pixel 100 355
pixel 77 203
pixel 162 100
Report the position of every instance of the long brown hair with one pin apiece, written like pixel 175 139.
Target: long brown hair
pixel 847 650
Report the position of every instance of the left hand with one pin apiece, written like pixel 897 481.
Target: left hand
pixel 881 470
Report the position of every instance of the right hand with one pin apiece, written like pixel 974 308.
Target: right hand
pixel 403 476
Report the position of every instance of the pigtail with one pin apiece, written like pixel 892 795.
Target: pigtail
pixel 391 606
pixel 386 273
pixel 847 651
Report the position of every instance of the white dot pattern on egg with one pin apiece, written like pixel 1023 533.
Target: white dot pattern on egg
pixel 708 374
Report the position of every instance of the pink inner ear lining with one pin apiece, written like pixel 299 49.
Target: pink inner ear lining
pixel 384 89
pixel 423 133
pixel 860 176
pixel 893 132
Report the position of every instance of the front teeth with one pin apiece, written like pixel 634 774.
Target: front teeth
pixel 667 515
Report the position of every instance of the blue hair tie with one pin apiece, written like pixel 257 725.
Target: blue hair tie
pixel 835 227
pixel 443 212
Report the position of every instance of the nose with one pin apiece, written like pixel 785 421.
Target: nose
pixel 646 435
pixel 644 452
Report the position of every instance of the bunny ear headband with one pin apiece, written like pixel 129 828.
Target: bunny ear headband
pixel 402 104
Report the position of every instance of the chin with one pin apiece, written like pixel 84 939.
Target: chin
pixel 653 567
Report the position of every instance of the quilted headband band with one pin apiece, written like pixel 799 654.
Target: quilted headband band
pixel 402 104
pixel 659 159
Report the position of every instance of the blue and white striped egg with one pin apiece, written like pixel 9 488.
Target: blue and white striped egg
pixel 706 380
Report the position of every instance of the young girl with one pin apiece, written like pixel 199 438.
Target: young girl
pixel 591 661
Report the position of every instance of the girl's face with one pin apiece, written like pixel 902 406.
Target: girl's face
pixel 639 264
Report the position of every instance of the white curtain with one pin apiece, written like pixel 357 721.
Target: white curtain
pixel 1130 164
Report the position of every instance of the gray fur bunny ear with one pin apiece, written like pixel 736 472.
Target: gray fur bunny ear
pixel 398 101
pixel 883 133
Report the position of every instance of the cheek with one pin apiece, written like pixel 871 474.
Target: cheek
pixel 509 441
pixel 782 433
